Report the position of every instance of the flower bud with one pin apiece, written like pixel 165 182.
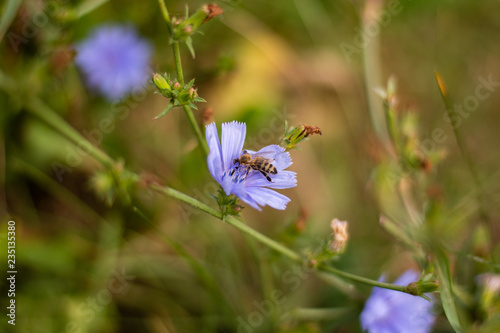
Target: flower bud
pixel 340 236
pixel 161 83
pixel 193 93
pixel 205 14
pixel 295 135
pixel 422 286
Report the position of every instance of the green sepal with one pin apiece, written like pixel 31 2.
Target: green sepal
pixel 169 107
pixel 189 44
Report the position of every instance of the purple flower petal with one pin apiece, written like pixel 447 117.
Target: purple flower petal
pixel 114 60
pixel 251 186
pixel 264 196
pixel 233 138
pixel 393 311
pixel 214 159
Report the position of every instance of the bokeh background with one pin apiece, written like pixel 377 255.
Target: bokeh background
pixel 262 63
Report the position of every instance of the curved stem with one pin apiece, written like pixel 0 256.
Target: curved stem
pixel 166 16
pixel 361 279
pixel 229 220
pixel 196 129
pixel 47 115
pixel 42 111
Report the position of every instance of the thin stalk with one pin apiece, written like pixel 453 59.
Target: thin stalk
pixel 166 16
pixel 316 314
pixel 170 192
pixel 361 279
pixel 196 129
pixel 180 77
pixel 461 147
pixel 9 12
pixel 178 62
pixel 87 7
pixel 45 113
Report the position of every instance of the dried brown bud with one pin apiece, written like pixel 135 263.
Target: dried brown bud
pixel 212 10
pixel 310 130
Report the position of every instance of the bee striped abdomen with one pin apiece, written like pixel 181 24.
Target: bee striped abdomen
pixel 257 163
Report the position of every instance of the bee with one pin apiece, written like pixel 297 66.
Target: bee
pixel 257 163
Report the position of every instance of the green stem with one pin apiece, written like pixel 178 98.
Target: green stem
pixel 166 16
pixel 9 12
pixel 361 279
pixel 87 7
pixel 180 77
pixel 196 129
pixel 170 192
pixel 45 113
pixel 178 63
pixel 463 151
pixel 316 314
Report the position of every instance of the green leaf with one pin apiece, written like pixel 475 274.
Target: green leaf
pixel 190 84
pixel 199 99
pixel 169 107
pixel 443 272
pixel 189 44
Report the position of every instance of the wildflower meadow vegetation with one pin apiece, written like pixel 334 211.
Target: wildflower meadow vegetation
pixel 249 166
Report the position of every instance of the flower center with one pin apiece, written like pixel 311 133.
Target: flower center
pixel 237 172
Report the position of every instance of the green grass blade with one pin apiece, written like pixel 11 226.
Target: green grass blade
pixel 8 14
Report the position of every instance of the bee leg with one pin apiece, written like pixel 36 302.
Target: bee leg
pixel 267 176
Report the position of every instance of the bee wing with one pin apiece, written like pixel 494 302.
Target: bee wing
pixel 268 155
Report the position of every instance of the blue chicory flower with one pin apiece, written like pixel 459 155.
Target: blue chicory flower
pixel 251 186
pixel 389 311
pixel 114 59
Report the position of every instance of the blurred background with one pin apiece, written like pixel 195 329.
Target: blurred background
pixel 156 265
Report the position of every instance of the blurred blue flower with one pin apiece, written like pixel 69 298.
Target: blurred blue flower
pixel 114 59
pixel 389 311
pixel 251 186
